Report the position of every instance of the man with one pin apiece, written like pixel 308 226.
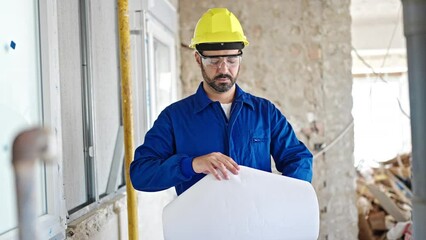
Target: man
pixel 219 127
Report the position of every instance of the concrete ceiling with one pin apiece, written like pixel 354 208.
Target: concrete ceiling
pixel 372 9
pixel 373 24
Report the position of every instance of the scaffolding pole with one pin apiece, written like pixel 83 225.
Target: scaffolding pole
pixel 415 33
pixel 126 102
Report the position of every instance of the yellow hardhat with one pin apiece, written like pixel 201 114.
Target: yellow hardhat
pixel 218 25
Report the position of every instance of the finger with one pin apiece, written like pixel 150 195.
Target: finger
pixel 213 171
pixel 220 167
pixel 230 164
pixel 234 164
pixel 223 169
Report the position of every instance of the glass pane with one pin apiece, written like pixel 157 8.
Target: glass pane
pixel 20 96
pixel 163 76
pixel 74 170
pixel 106 87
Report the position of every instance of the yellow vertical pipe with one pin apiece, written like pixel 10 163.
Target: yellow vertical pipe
pixel 126 100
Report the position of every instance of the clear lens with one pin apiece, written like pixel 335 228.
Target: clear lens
pixel 216 61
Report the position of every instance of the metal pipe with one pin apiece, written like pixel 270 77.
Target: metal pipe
pixel 126 98
pixel 28 147
pixel 415 33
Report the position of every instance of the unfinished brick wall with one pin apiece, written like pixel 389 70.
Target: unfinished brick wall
pixel 299 58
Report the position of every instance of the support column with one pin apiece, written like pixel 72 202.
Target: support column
pixel 415 33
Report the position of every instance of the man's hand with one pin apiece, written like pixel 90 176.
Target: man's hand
pixel 213 163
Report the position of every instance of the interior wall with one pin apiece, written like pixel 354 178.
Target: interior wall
pixel 299 58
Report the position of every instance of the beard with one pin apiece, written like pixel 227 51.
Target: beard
pixel 219 87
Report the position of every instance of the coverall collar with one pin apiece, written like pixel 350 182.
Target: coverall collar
pixel 203 100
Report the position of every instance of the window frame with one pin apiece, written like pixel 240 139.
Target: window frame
pixel 157 31
pixel 94 198
pixel 52 224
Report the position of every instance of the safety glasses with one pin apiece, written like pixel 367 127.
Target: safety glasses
pixel 217 60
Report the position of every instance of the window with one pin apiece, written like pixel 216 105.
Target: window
pixel 106 94
pixel 154 63
pixel 162 84
pixel 91 105
pixel 20 98
pixel 24 104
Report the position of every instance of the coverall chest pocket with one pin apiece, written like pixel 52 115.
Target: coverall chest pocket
pixel 259 148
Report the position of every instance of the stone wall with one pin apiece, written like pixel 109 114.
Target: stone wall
pixel 299 58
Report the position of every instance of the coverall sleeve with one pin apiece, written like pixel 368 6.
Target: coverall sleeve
pixel 292 158
pixel 156 166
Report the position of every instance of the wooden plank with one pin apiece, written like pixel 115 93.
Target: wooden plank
pixel 388 204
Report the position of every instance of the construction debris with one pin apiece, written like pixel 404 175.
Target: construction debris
pixel 384 201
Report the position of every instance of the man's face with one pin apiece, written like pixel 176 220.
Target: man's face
pixel 220 73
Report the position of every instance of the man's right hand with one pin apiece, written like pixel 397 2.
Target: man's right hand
pixel 214 163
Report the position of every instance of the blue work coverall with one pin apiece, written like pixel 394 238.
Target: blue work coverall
pixel 196 126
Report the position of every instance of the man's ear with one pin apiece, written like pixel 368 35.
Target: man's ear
pixel 197 58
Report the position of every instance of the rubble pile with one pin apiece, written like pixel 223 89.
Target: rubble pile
pixel 384 201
